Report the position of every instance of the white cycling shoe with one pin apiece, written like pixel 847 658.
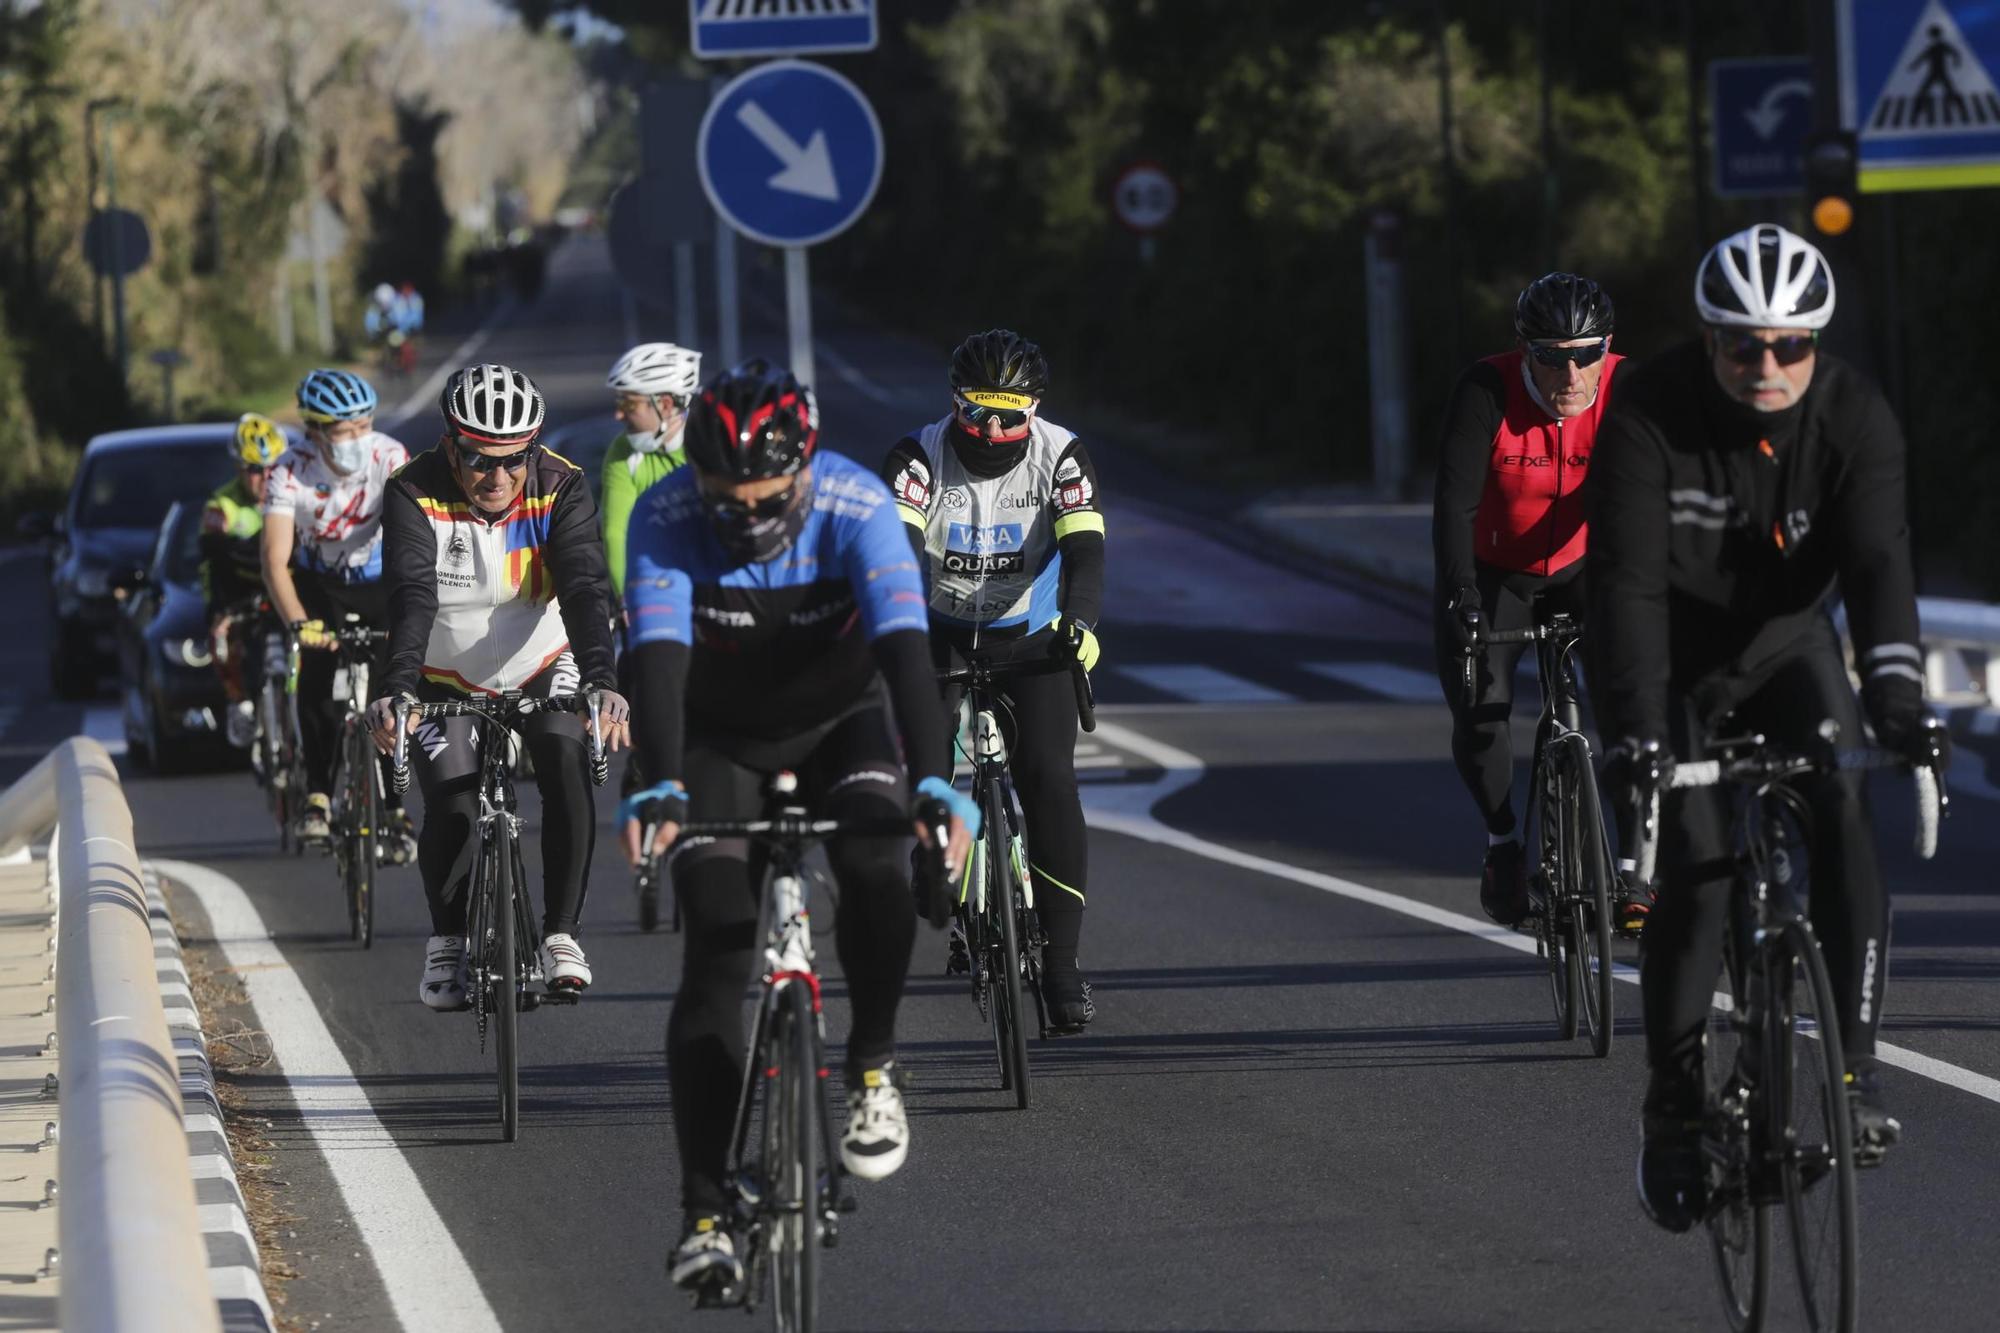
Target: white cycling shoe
pixel 706 1256
pixel 563 965
pixel 878 1131
pixel 443 987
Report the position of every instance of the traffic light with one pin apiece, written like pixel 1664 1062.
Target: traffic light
pixel 1833 195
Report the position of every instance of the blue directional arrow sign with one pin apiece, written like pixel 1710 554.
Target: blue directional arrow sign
pixel 790 153
pixel 1762 112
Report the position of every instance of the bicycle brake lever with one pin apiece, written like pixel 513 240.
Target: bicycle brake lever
pixel 399 768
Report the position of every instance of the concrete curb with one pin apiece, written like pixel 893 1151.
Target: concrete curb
pixel 235 1269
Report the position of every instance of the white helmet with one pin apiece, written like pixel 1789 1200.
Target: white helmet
pixel 657 368
pixel 492 404
pixel 1764 277
pixel 384 294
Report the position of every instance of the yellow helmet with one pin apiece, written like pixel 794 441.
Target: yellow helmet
pixel 259 441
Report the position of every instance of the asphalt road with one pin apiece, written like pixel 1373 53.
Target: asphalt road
pixel 1318 1093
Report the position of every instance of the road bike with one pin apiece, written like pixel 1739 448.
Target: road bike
pixel 1776 1130
pixel 502 939
pixel 995 910
pixel 354 818
pixel 275 759
pixel 1569 889
pixel 783 1164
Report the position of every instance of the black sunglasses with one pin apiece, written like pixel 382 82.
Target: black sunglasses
pixel 1008 417
pixel 755 511
pixel 1555 358
pixel 474 461
pixel 1747 349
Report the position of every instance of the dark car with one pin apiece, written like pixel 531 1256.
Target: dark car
pixel 585 443
pixel 172 700
pixel 125 484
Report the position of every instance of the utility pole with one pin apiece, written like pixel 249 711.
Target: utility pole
pixel 1691 39
pixel 1450 160
pixel 117 249
pixel 1550 190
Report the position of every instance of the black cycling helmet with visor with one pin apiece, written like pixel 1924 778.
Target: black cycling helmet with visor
pixel 1562 307
pixel 752 422
pixel 998 374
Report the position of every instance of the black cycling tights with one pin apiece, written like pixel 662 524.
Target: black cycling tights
pixel 1038 721
pixel 1481 745
pixel 850 771
pixel 319 712
pixel 1681 953
pixel 447 763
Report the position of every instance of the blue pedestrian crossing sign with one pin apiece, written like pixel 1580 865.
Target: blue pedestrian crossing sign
pixel 1761 111
pixel 1916 87
pixel 726 29
pixel 790 153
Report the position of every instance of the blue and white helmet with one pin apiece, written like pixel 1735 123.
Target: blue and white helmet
pixel 335 395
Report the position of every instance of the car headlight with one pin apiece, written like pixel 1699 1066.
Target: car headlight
pixel 92 582
pixel 188 652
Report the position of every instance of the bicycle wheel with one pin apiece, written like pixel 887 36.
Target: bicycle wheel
pixel 1011 1028
pixel 791 1162
pixel 1739 1218
pixel 1558 857
pixel 363 807
pixel 1590 909
pixel 505 979
pixel 1811 1133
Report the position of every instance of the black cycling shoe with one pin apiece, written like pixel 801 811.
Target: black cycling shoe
pixel 1875 1130
pixel 1503 889
pixel 1673 1177
pixel 1633 905
pixel 1066 1000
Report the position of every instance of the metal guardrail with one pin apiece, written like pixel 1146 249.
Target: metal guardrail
pixel 130 1234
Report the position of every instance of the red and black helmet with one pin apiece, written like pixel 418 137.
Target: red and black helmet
pixel 753 421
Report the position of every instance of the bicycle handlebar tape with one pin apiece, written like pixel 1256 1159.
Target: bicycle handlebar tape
pixel 1086 703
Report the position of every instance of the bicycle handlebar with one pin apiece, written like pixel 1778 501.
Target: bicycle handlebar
pixel 498 708
pixel 1086 697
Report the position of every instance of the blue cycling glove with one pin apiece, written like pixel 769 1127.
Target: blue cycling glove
pixel 671 795
pixel 954 800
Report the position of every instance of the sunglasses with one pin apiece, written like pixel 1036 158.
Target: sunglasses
pixel 474 461
pixel 1009 418
pixel 252 469
pixel 1555 358
pixel 754 511
pixel 1747 349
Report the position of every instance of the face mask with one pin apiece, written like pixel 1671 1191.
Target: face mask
pixel 657 441
pixel 347 455
pixel 755 539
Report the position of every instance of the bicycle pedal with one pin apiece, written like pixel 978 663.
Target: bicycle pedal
pixel 561 996
pixel 715 1296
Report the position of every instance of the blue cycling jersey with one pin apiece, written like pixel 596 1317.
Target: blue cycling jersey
pixel 780 646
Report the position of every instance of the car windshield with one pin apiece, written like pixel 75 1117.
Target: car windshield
pixel 133 487
pixel 179 552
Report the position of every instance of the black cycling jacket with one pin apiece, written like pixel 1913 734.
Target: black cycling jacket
pixel 1717 533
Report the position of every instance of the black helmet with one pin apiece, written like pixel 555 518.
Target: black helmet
pixel 1000 359
pixel 751 422
pixel 1561 306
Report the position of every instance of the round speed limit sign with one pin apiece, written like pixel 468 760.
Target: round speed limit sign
pixel 1145 196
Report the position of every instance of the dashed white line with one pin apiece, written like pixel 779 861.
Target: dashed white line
pixel 1384 678
pixel 429 1283
pixel 1203 684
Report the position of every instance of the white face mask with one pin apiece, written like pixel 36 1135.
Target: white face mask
pixel 347 455
pixel 654 441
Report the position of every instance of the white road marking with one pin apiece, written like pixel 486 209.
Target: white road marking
pixel 105 725
pixel 1128 810
pixel 851 375
pixel 425 398
pixel 1203 684
pixel 429 1283
pixel 1384 678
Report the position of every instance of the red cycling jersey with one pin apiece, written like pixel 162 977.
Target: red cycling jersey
pixel 1530 517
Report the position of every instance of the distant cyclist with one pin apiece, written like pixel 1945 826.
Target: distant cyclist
pixel 496 582
pixel 1002 507
pixel 1508 535
pixel 778 624
pixel 322 559
pixel 653 383
pixel 1740 479
pixel 232 568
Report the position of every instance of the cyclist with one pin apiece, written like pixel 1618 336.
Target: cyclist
pixel 232 566
pixel 1001 505
pixel 771 598
pixel 1739 478
pixel 653 383
pixel 496 581
pixel 324 501
pixel 1508 535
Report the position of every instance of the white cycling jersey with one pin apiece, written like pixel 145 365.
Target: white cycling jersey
pixel 338 517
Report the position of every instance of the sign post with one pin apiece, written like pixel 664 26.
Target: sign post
pixel 1762 111
pixel 1917 88
pixel 821 136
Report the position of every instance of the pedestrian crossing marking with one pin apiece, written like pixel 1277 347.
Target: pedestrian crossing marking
pixel 1203 684
pixel 1939 85
pixel 105 726
pixel 1401 683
